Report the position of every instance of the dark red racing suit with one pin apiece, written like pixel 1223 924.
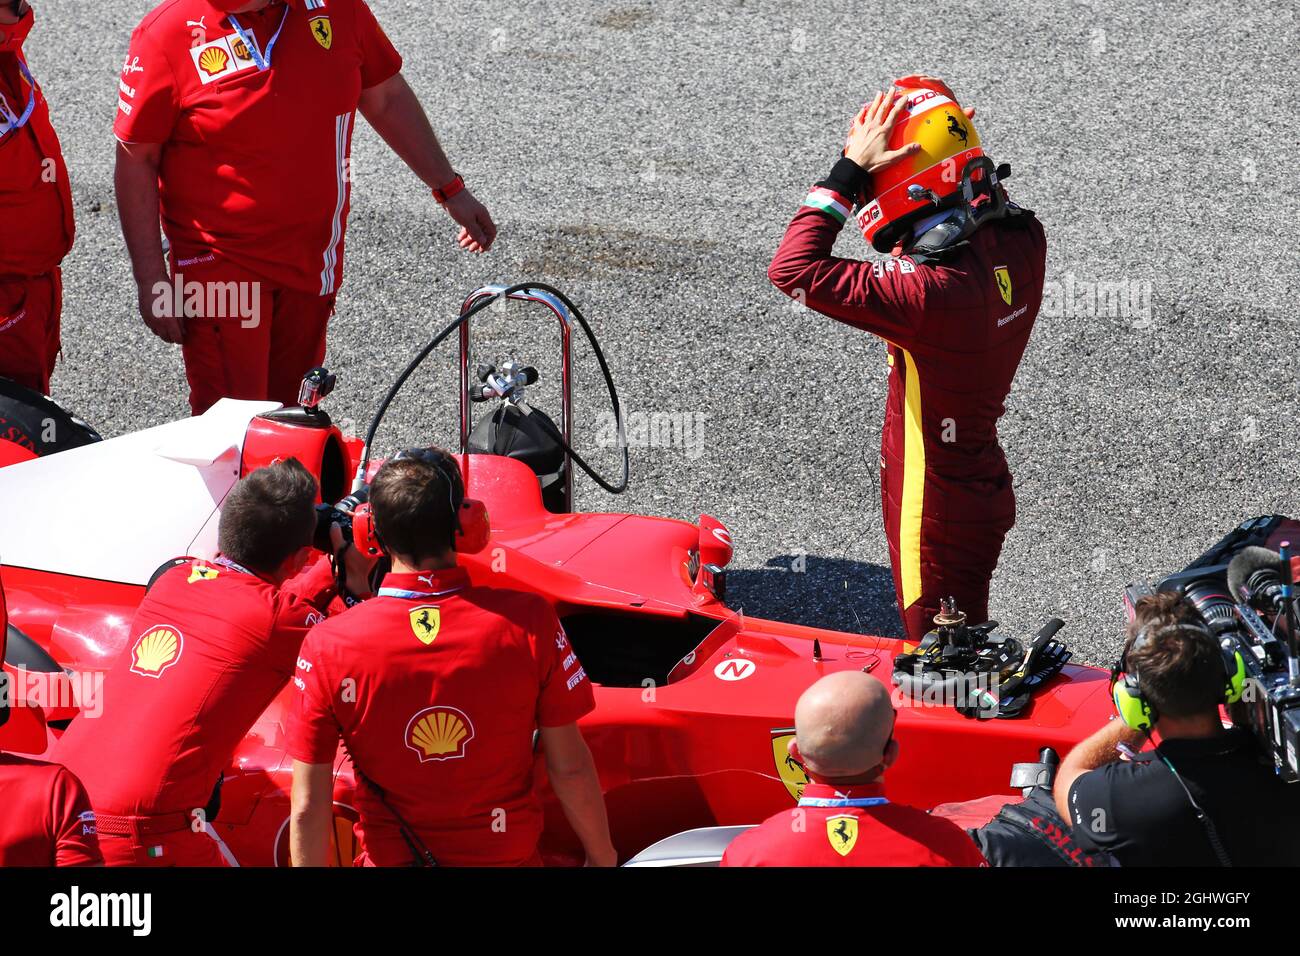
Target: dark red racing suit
pixel 956 324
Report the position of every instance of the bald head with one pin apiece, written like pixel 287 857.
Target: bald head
pixel 843 724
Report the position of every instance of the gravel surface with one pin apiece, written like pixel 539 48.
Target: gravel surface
pixel 646 159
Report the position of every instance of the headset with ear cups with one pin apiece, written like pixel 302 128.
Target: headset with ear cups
pixel 470 525
pixel 1131 704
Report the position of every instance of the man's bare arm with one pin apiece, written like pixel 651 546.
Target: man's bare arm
pixel 394 111
pixel 1096 751
pixel 135 180
pixel 311 813
pixel 573 778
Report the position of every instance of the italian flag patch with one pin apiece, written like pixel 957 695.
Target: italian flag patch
pixel 154 852
pixel 828 202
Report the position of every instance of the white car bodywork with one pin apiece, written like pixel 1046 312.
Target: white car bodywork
pixel 116 510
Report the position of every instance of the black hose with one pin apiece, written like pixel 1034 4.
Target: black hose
pixel 456 324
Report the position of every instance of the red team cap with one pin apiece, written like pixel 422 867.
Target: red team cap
pixel 932 118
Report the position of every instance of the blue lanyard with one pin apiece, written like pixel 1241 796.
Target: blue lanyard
pixel 11 120
pixel 842 801
pixel 412 595
pixel 250 41
pixel 227 563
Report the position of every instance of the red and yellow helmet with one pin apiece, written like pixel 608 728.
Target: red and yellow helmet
pixel 917 185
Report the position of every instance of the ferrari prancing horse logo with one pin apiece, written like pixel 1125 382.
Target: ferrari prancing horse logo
pixel 791 774
pixel 1004 283
pixel 842 832
pixel 425 622
pixel 323 31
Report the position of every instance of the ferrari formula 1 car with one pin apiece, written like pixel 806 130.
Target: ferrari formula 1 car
pixel 694 701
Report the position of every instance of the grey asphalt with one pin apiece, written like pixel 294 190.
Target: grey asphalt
pixel 647 157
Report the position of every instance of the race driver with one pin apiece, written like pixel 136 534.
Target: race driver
pixel 47 819
pixel 439 690
pixel 955 303
pixel 36 224
pixel 212 644
pixel 234 122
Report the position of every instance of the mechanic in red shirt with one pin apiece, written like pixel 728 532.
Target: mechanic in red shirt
pixel 438 689
pixel 844 738
pixel 213 644
pixel 35 213
pixel 956 312
pixel 234 122
pixel 46 818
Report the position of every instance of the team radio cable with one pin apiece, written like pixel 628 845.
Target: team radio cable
pixel 359 479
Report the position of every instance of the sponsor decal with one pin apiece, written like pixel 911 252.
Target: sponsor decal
pixel 439 733
pixel 922 100
pixel 155 650
pixel 124 106
pixel 132 65
pixel 722 535
pixel 425 622
pixel 735 668
pixel 902 266
pixel 212 60
pixel 1013 316
pixel 561 642
pixel 127 91
pixel 87 820
pixel 221 58
pixel 22 314
pixel 956 129
pixel 202 572
pixel 1003 278
pixel 787 768
pixel 842 832
pixel 322 30
pixel 578 677
pixel 869 213
pixel 195 260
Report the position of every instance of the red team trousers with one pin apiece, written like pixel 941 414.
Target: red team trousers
pixel 252 339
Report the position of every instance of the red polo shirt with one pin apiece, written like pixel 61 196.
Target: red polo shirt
pixel 857 826
pixel 47 820
pixel 436 688
pixel 256 164
pixel 35 197
pixel 212 645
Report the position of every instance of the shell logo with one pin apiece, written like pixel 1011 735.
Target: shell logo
pixel 213 60
pixel 156 650
pixel 439 733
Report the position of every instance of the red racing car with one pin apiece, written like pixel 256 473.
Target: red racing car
pixel 694 701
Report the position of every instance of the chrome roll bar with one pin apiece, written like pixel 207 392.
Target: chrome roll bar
pixel 565 318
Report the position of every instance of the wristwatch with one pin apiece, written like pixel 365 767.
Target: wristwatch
pixel 452 188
